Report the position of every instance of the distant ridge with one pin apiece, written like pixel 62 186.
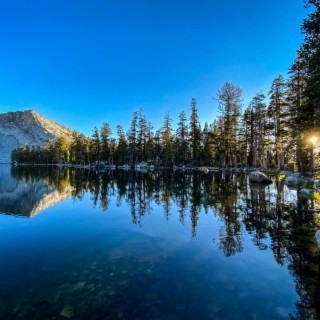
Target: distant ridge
pixel 27 127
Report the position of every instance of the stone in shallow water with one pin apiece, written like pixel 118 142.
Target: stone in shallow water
pixel 259 177
pixel 67 312
pixel 293 179
pixel 306 192
pixel 78 285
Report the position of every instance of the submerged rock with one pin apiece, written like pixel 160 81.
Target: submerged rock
pixel 285 172
pixel 67 312
pixel 306 192
pixel 78 286
pixel 308 174
pixel 259 177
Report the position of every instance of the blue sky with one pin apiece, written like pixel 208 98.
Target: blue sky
pixel 82 63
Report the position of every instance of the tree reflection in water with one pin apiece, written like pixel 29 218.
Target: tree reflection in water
pixel 274 215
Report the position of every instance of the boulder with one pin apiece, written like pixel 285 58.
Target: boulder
pixel 308 174
pixel 293 179
pixel 318 238
pixel 259 177
pixel 306 192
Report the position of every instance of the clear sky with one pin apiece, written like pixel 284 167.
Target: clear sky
pixel 82 63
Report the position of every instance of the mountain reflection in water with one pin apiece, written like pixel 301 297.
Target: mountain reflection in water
pixel 27 195
pixel 273 217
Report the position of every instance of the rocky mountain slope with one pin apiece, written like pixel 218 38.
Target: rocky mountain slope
pixel 26 127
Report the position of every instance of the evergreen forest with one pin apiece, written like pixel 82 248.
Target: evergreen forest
pixel 278 129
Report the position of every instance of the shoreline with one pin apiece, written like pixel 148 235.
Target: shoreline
pixel 305 182
pixel 205 169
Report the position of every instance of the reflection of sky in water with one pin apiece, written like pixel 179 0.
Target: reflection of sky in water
pixel 290 196
pixel 217 260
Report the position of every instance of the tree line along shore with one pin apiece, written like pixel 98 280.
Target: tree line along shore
pixel 280 134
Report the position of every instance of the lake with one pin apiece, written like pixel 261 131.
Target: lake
pixel 165 245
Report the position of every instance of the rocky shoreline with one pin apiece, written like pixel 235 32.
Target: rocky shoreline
pixel 304 180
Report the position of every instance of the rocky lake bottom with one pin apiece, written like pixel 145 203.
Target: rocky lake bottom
pixel 76 244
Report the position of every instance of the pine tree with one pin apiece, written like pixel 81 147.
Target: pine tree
pixel 26 151
pixel 181 139
pixel 61 150
pixel 299 120
pixel 305 87
pixel 207 145
pixel 33 154
pixel 96 145
pixel 80 148
pixel 122 147
pixel 105 133
pixel 279 111
pixel 246 137
pixel 310 54
pixel 133 138
pixel 195 132
pixel 217 141
pixel 157 146
pixel 229 98
pixel 142 131
pixel 166 139
pixel 112 150
pixel 258 114
pixel 149 145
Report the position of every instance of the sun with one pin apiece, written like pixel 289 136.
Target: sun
pixel 313 139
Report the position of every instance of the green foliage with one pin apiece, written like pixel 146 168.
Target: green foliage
pixel 279 113
pixel 106 145
pixel 181 140
pixel 316 196
pixel 230 102
pixel 167 142
pixel 195 131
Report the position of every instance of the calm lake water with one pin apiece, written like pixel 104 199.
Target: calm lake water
pixel 129 245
